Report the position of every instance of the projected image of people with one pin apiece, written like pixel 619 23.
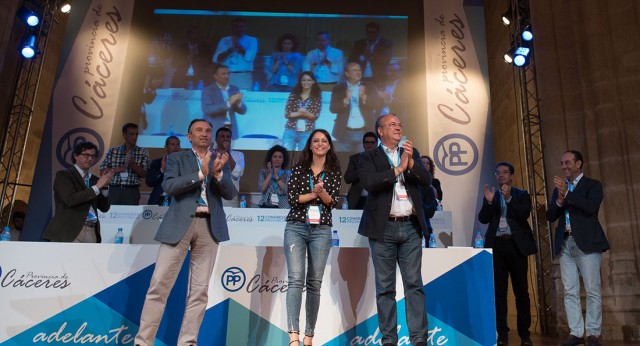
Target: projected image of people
pixel 268 76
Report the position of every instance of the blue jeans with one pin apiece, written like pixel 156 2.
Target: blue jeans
pixel 401 244
pixel 313 242
pixel 292 139
pixel 574 263
pixel 351 142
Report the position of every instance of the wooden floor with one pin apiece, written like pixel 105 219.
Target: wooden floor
pixel 548 341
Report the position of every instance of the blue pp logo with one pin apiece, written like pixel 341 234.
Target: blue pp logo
pixel 66 143
pixel 233 279
pixel 456 154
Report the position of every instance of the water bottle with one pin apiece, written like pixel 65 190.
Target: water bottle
pixel 345 204
pixel 478 241
pixel 424 243
pixel 119 239
pixel 6 234
pixel 166 201
pixel 335 241
pixel 439 207
pixel 432 241
pixel 243 202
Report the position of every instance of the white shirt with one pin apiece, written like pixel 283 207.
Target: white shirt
pixel 356 121
pixel 398 207
pixel 235 61
pixel 324 73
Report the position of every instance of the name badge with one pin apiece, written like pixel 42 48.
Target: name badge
pixel 503 223
pixel 301 125
pixel 401 192
pixel 284 80
pixel 124 175
pixel 274 199
pixel 313 214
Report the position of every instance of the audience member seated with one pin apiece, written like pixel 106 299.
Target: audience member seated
pixel 18 224
pixel 427 161
pixel 274 179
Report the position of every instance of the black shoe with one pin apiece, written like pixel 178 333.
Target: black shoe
pixel 593 340
pixel 526 341
pixel 572 340
pixel 503 340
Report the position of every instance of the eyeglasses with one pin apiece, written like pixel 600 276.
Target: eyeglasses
pixel 502 172
pixel 393 125
pixel 88 156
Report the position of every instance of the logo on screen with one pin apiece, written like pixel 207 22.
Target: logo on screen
pixel 64 148
pixel 233 279
pixel 456 154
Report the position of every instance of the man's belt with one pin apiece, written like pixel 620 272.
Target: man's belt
pixel 401 218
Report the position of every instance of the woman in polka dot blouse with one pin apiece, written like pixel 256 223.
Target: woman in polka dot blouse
pixel 314 189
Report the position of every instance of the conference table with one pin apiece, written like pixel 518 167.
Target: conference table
pixel 61 293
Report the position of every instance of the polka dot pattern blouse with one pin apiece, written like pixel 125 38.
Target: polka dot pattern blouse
pixel 299 184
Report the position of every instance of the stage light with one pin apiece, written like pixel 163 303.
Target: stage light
pixel 28 48
pixel 527 34
pixel 521 56
pixel 28 16
pixel 507 18
pixel 65 6
pixel 508 55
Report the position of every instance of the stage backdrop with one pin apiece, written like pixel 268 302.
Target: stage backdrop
pixel 92 75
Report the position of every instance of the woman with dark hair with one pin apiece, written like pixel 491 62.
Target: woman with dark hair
pixel 427 161
pixel 286 64
pixel 302 110
pixel 314 190
pixel 274 178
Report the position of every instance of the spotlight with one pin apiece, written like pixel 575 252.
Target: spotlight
pixel 508 55
pixel 527 34
pixel 521 57
pixel 507 18
pixel 28 48
pixel 28 16
pixel 65 6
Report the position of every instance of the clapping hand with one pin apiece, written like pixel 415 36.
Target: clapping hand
pixel 489 194
pixel 219 162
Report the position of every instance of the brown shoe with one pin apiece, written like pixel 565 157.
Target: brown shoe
pixel 593 340
pixel 572 340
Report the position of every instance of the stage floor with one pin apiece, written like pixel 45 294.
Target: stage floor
pixel 540 340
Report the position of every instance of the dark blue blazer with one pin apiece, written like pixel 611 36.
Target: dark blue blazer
pixel 378 178
pixel 518 212
pixel 583 205
pixel 154 179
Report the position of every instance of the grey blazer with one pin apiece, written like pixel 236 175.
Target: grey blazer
pixel 214 108
pixel 182 184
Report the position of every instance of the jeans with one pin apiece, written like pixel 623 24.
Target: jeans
pixel 574 263
pixel 313 242
pixel 292 139
pixel 351 142
pixel 401 244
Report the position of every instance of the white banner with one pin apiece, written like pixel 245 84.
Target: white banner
pixel 458 108
pixel 86 93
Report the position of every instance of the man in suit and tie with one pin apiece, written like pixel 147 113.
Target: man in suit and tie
pixel 507 210
pixel 197 180
pixel 221 101
pixel 155 174
pixel 78 194
pixel 393 220
pixel 357 195
pixel 579 243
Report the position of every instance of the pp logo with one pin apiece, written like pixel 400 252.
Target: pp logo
pixel 147 214
pixel 456 154
pixel 233 279
pixel 64 148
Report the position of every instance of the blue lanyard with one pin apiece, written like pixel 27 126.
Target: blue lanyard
pixel 311 179
pixel 273 179
pixel 88 180
pixel 200 165
pixel 304 104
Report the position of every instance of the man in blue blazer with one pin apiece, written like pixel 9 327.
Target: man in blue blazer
pixel 580 242
pixel 221 101
pixel 155 174
pixel 197 181
pixel 393 220
pixel 509 234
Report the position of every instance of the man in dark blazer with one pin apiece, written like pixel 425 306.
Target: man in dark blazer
pixel 78 195
pixel 372 53
pixel 197 180
pixel 155 174
pixel 221 101
pixel 394 221
pixel 356 105
pixel 580 242
pixel 509 235
pixel 357 195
